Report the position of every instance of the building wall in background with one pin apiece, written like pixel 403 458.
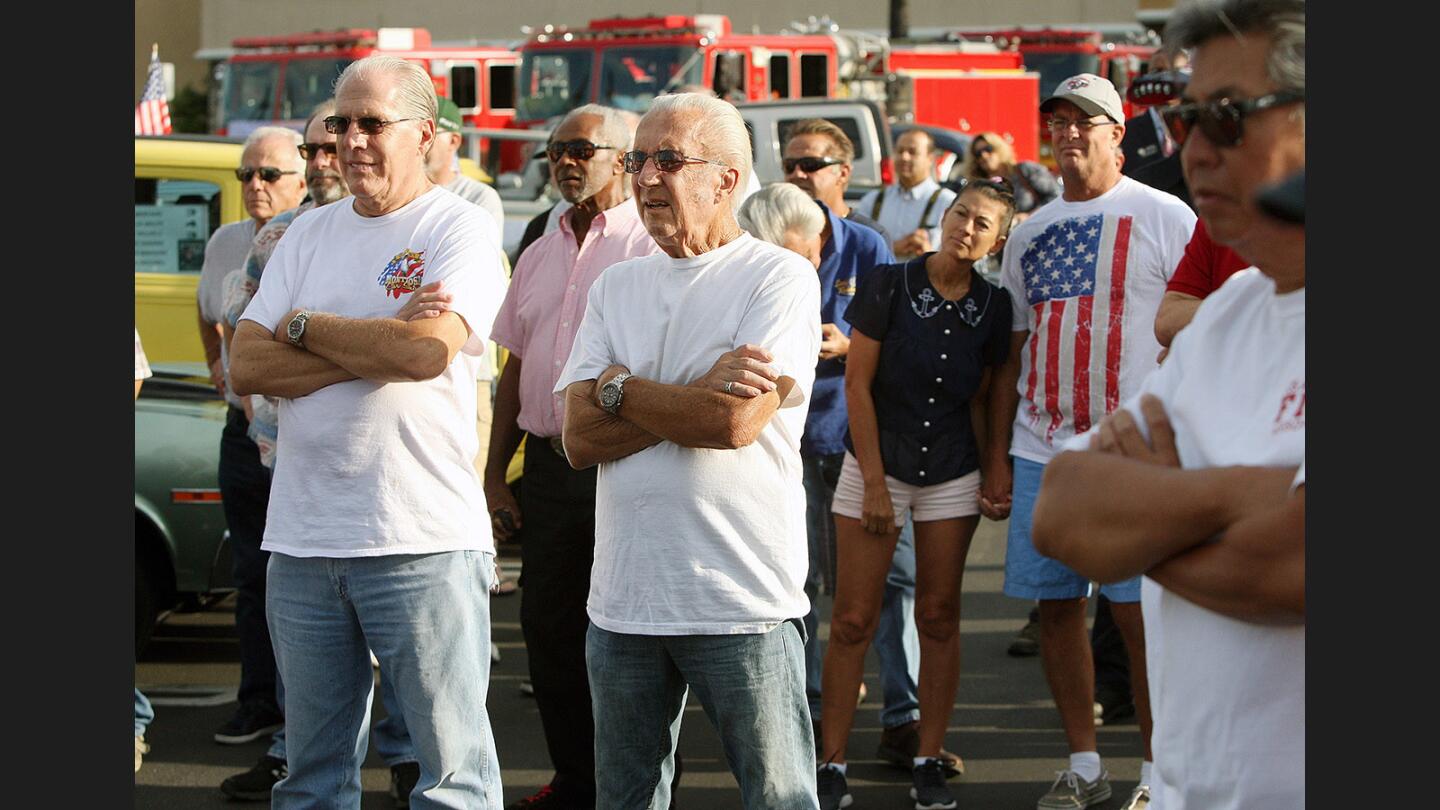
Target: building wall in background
pixel 175 26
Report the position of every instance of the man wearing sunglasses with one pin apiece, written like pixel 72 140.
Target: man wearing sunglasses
pixel 537 323
pixel 1086 273
pixel 1220 426
pixel 371 526
pixel 688 386
pixel 817 158
pixel 272 177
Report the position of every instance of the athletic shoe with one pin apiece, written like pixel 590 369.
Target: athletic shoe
pixel 402 781
pixel 930 791
pixel 1139 798
pixel 1112 713
pixel 1070 792
pixel 250 722
pixel 831 788
pixel 1026 643
pixel 546 798
pixel 141 749
pixel 254 785
pixel 900 745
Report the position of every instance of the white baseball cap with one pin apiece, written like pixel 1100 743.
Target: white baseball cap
pixel 1092 94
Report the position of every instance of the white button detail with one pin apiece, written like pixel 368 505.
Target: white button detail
pixel 947 331
pixel 572 287
pixel 557 362
pixel 922 473
pixel 927 424
pixel 932 400
pixel 937 379
pixel 947 306
pixel 566 324
pixel 924 449
pixel 944 357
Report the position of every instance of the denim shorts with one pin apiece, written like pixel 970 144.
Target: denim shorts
pixel 1031 575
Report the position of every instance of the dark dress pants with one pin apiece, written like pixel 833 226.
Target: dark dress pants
pixel 245 492
pixel 557 505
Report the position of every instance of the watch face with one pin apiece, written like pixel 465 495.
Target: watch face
pixel 609 395
pixel 296 329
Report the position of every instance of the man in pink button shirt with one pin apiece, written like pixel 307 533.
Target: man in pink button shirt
pixel 538 323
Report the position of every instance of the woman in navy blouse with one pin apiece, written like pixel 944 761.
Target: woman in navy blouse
pixel 925 336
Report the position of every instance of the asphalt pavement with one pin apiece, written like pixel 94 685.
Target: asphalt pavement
pixel 1004 726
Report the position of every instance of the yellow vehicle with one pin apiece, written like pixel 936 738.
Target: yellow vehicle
pixel 185 188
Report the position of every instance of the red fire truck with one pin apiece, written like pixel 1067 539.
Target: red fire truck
pixel 280 79
pixel 626 62
pixel 1059 53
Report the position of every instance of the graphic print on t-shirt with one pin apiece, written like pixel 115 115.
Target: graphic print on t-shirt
pixel 404 273
pixel 1074 275
pixel 1291 415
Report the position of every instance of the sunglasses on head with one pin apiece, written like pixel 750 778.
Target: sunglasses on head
pixel 578 150
pixel 666 160
pixel 1221 120
pixel 339 124
pixel 267 173
pixel 310 150
pixel 809 165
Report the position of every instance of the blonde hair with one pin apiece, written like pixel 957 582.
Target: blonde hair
pixel 970 170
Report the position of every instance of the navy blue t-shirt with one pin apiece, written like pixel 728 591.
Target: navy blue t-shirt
pixel 933 354
pixel 852 251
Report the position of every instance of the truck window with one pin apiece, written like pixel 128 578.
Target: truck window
pixel 630 78
pixel 850 126
pixel 502 87
pixel 309 82
pixel 462 87
pixel 779 75
pixel 173 221
pixel 250 91
pixel 552 83
pixel 814 75
pixel 728 79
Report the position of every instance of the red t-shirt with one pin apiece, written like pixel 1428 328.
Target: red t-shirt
pixel 1205 265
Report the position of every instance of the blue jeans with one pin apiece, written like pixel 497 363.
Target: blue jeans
pixel 391 738
pixel 143 713
pixel 897 643
pixel 753 690
pixel 427 617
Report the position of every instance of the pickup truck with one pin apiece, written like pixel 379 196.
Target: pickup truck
pixel 863 121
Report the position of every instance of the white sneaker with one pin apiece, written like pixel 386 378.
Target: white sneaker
pixel 141 748
pixel 1139 798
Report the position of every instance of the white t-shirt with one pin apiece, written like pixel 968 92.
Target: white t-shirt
pixel 1085 279
pixel 226 251
pixel 1228 697
pixel 692 541
pixel 365 468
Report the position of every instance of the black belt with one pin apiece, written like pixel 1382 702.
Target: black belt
pixel 556 443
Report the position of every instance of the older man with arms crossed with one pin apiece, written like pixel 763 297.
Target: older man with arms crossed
pixel 376 525
pixel 272 176
pixel 1085 273
pixel 537 323
pixel 1199 482
pixel 688 385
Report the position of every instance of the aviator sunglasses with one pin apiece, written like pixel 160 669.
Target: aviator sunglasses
pixel 666 160
pixel 267 173
pixel 809 165
pixel 339 124
pixel 1221 120
pixel 578 150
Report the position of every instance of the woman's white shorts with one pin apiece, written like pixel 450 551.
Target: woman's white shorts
pixel 958 497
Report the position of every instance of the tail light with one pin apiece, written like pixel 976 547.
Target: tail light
pixel 887 171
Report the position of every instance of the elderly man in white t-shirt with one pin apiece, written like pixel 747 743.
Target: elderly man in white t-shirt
pixel 1221 540
pixel 688 384
pixel 376 525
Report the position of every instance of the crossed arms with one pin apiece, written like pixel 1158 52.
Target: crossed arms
pixel 699 414
pixel 1230 539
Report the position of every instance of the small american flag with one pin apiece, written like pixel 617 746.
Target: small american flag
pixel 152 116
pixel 1074 275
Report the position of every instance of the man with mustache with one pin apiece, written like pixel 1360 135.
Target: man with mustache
pixel 538 323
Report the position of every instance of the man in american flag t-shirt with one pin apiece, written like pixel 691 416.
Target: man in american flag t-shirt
pixel 1085 273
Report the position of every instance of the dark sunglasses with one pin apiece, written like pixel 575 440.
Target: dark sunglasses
pixel 267 173
pixel 982 149
pixel 809 165
pixel 578 150
pixel 666 160
pixel 1221 120
pixel 339 124
pixel 310 150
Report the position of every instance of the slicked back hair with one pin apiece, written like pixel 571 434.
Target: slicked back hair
pixel 725 138
pixel 842 148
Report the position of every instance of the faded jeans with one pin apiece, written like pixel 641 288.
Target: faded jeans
pixel 896 643
pixel 427 618
pixel 752 687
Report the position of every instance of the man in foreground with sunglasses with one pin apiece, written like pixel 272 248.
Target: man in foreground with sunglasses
pixel 688 386
pixel 373 517
pixel 1085 273
pixel 1198 481
pixel 537 323
pixel 272 180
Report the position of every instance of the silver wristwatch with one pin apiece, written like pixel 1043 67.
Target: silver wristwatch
pixel 296 330
pixel 612 392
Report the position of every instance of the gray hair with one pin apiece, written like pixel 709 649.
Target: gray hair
pixel 1283 21
pixel 779 208
pixel 324 109
pixel 414 91
pixel 266 133
pixel 725 138
pixel 615 128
